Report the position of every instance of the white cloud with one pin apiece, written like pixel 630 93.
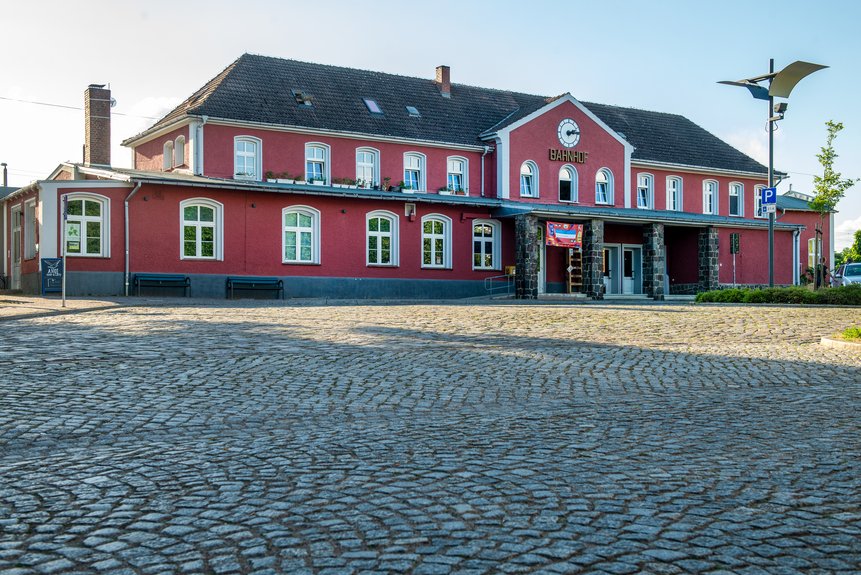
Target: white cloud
pixel 752 143
pixel 844 233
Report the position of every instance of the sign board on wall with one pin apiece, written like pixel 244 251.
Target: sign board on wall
pixel 52 275
pixel 564 235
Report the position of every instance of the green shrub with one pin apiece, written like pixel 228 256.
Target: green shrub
pixel 853 333
pixel 845 295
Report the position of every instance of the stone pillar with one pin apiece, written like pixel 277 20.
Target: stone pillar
pixel 526 248
pixel 709 266
pixel 654 260
pixel 593 259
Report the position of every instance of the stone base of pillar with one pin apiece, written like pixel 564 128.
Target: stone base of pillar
pixel 709 263
pixel 654 261
pixel 526 246
pixel 593 259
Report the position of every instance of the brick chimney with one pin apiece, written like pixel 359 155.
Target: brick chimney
pixel 97 125
pixel 443 80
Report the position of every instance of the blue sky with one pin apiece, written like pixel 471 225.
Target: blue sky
pixel 658 55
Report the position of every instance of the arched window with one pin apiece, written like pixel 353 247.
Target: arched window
pixel 529 179
pixel 414 172
pixel 710 197
pixel 247 154
pixel 381 228
pixel 645 191
pixel 179 152
pixel 457 176
pixel 604 186
pixel 486 241
pixel 367 167
pixel 568 184
pixel 167 156
pixel 758 208
pixel 317 163
pixel 301 239
pixel 87 228
pixel 201 221
pixel 736 199
pixel 674 193
pixel 436 241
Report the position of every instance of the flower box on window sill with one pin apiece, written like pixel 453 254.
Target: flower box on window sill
pixel 285 181
pixel 317 182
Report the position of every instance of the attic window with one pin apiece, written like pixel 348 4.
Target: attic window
pixel 302 98
pixel 414 112
pixel 373 107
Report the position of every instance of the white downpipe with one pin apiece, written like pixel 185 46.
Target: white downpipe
pixel 486 151
pixel 126 224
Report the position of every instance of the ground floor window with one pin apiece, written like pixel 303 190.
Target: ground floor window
pixel 201 229
pixel 485 245
pixel 301 235
pixel 436 241
pixel 86 228
pixel 382 238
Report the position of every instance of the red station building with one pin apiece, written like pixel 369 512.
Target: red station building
pixel 359 184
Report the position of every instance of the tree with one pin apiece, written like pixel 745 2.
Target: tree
pixel 850 254
pixel 828 190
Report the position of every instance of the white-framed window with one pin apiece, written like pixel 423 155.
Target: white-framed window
pixel 179 151
pixel 710 197
pixel 167 156
pixel 301 237
pixel 247 157
pixel 604 186
pixel 381 229
pixel 87 230
pixel 674 193
pixel 436 241
pixel 736 199
pixel 529 179
pixel 367 167
pixel 457 176
pixel 811 251
pixel 486 242
pixel 414 171
pixel 201 222
pixel 645 191
pixel 29 229
pixel 758 208
pixel 316 162
pixel 568 184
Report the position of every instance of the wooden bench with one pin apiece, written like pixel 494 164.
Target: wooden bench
pixel 256 284
pixel 163 280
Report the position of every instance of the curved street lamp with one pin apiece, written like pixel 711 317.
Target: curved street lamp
pixel 780 84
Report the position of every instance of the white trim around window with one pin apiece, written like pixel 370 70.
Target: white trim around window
pixel 201 229
pixel 30 225
pixel 736 190
pixel 247 158
pixel 381 239
pixel 486 245
pixel 368 166
pixel 167 156
pixel 436 242
pixel 179 151
pixel 758 211
pixel 317 160
pixel 675 194
pixel 604 187
pixel 415 171
pixel 300 235
pixel 529 179
pixel 457 174
pixel 568 184
pixel 710 196
pixel 645 191
pixel 94 225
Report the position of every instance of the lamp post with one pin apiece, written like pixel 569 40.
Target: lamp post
pixel 780 84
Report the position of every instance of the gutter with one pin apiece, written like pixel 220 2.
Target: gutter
pixel 126 224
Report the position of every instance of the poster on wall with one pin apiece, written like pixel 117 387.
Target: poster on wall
pixel 564 235
pixel 73 237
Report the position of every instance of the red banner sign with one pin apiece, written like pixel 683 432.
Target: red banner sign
pixel 564 235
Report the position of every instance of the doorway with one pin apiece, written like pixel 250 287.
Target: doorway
pixel 623 269
pixel 17 248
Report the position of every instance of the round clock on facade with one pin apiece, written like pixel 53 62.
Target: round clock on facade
pixel 569 133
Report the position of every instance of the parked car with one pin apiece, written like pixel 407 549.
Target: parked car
pixel 847 274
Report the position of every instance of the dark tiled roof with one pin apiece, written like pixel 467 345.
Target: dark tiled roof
pixel 260 89
pixel 6 190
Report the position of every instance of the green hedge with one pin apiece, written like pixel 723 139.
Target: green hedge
pixel 846 295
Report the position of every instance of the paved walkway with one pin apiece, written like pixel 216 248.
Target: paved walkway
pixel 430 439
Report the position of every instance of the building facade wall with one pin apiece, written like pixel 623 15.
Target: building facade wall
pixel 149 156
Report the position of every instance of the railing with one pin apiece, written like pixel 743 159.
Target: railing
pixel 499 284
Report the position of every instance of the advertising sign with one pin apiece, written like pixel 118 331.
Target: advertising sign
pixel 564 235
pixel 52 275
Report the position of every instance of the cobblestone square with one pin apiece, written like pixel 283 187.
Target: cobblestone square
pixel 434 439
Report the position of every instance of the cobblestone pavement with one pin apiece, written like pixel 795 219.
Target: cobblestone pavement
pixel 430 439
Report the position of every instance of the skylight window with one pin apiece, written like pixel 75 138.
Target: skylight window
pixel 302 98
pixel 414 112
pixel 373 107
